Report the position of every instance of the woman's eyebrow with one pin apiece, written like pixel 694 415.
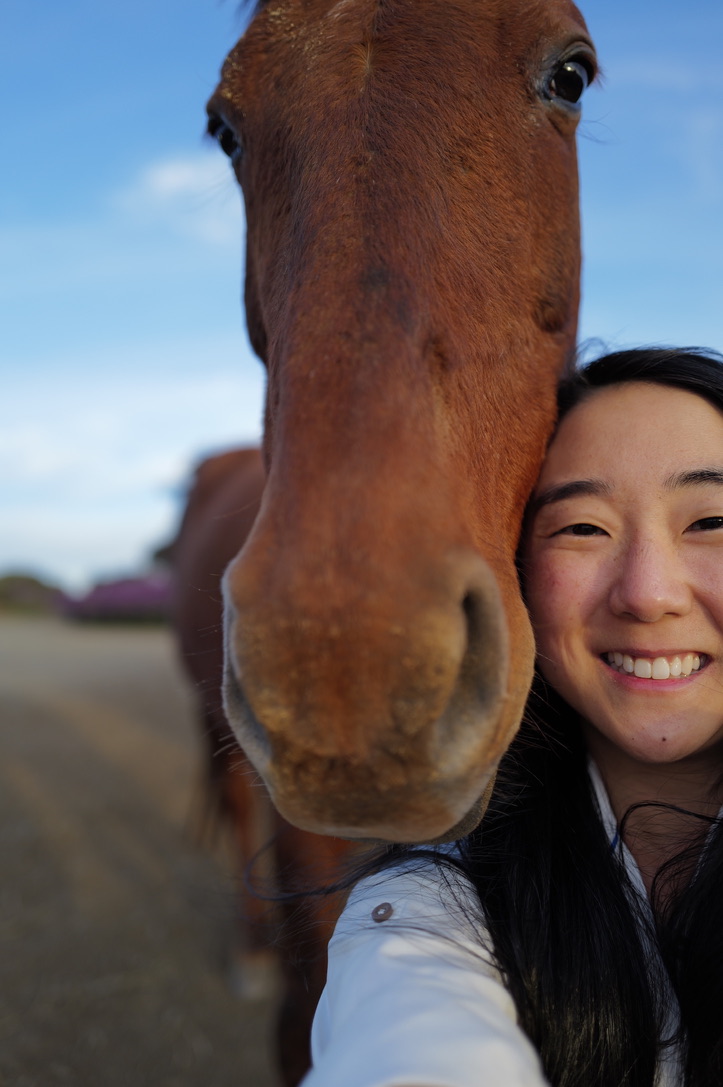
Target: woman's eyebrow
pixel 560 491
pixel 696 477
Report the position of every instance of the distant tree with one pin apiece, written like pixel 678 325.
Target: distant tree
pixel 26 593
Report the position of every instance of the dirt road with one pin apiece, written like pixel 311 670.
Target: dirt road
pixel 113 926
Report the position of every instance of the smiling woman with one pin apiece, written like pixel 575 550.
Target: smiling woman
pixel 575 937
pixel 624 570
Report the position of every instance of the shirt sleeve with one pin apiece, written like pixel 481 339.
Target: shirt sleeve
pixel 412 998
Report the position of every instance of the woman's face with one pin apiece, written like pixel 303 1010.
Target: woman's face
pixel 624 569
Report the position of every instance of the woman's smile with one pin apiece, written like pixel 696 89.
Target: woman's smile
pixel 656 666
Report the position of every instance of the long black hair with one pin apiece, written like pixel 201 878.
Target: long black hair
pixel 568 932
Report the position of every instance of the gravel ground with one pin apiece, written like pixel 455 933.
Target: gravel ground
pixel 114 927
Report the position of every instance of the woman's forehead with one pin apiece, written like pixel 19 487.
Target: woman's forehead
pixel 635 426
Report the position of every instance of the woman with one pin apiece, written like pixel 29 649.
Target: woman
pixel 576 937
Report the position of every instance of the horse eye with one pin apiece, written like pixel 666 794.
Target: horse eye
pixel 225 137
pixel 569 81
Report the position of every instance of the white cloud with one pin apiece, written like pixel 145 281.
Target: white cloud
pixel 109 437
pixel 194 194
pixel 92 470
pixel 76 545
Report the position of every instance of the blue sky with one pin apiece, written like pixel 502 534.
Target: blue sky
pixel 122 349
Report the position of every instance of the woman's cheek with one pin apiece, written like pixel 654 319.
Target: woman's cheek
pixel 559 600
pixel 552 587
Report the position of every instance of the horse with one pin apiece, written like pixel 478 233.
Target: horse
pixel 221 505
pixel 412 284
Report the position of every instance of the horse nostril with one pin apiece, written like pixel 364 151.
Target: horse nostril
pixel 485 658
pixel 479 624
pixel 471 615
pixel 474 622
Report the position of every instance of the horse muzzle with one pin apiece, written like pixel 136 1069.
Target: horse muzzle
pixel 382 721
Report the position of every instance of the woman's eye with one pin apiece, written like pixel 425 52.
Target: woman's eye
pixel 706 524
pixel 581 528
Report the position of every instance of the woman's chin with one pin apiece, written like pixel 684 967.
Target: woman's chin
pixel 657 742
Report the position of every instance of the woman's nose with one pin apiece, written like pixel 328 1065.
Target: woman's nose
pixel 650 583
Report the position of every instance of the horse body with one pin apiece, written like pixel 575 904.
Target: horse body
pixel 220 510
pixel 410 180
pixel 221 507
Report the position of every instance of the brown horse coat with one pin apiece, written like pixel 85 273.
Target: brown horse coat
pixel 409 173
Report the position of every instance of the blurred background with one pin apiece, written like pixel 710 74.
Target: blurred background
pixel 123 361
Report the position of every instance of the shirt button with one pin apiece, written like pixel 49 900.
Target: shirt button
pixel 382 912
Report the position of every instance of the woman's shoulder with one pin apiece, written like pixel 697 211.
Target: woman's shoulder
pixel 426 891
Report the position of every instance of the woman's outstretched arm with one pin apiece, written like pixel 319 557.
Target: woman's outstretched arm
pixel 413 999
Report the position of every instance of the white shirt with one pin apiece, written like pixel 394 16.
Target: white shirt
pixel 413 1000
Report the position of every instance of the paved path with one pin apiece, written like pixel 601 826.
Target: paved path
pixel 113 926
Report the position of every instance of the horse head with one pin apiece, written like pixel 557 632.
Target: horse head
pixel 412 285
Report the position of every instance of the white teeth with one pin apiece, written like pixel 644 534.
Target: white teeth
pixel 661 668
pixel 655 668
